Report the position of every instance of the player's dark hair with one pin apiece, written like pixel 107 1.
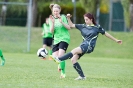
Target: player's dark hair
pixel 90 16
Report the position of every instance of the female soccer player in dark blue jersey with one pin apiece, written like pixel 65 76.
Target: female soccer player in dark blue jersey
pixel 89 32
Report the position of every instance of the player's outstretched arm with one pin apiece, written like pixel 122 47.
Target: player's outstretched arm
pixel 113 38
pixel 69 21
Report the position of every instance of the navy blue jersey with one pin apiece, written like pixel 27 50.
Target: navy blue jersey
pixel 90 33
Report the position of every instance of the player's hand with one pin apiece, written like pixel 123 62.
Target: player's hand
pixel 119 41
pixel 69 15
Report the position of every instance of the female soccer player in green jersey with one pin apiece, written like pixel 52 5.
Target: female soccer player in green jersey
pixel 47 37
pixel 2 58
pixel 59 27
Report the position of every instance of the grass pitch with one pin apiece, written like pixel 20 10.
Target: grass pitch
pixel 29 71
pixel 109 66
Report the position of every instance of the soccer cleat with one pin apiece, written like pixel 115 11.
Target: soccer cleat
pixel 62 76
pixel 80 78
pixel 55 59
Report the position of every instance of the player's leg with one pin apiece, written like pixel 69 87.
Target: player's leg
pixel 62 64
pixel 2 58
pixel 44 45
pixel 62 49
pixel 68 55
pixel 49 52
pixel 74 57
pixel 77 67
pixel 62 68
pixel 55 54
pixel 71 54
pixel 84 48
pixel 55 51
pixel 59 68
pixel 49 44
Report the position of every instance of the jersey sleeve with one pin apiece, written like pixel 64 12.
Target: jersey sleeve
pixel 64 19
pixel 79 26
pixel 101 30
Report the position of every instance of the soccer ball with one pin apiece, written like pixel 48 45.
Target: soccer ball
pixel 42 52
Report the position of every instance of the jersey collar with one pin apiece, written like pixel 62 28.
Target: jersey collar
pixel 55 17
pixel 91 25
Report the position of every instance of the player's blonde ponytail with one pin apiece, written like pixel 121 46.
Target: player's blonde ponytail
pixel 54 6
pixel 51 6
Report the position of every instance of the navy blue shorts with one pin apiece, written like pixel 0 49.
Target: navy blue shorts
pixel 86 48
pixel 60 45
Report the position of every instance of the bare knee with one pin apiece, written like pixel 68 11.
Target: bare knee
pixel 74 59
pixel 76 51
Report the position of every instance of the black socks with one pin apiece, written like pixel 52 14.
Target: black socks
pixel 78 69
pixel 66 56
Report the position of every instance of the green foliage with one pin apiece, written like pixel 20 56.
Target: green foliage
pixel 45 11
pixel 89 5
pixel 126 4
pixel 14 18
pixel 104 6
pixel 16 14
pixel 80 11
pixel 17 8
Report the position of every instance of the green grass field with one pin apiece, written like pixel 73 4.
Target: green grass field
pixel 109 66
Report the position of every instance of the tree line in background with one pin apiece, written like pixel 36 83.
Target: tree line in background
pixel 40 9
pixel 128 13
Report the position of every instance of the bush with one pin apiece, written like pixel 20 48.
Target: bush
pixel 16 18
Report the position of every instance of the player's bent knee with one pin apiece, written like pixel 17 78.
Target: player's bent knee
pixel 73 61
pixel 74 58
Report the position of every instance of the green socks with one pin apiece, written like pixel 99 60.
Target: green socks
pixel 50 52
pixel 62 67
pixel 2 58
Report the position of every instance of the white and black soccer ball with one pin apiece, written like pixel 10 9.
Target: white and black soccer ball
pixel 42 52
